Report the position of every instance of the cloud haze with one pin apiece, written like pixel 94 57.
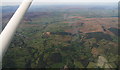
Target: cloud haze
pixel 17 2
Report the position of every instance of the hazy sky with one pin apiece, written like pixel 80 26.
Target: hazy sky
pixel 17 2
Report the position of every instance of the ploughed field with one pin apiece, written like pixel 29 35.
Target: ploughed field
pixel 64 37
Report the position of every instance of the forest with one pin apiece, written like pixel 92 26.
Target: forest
pixel 70 36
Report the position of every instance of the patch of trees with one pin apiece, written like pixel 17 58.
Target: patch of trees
pixel 115 31
pixel 99 36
